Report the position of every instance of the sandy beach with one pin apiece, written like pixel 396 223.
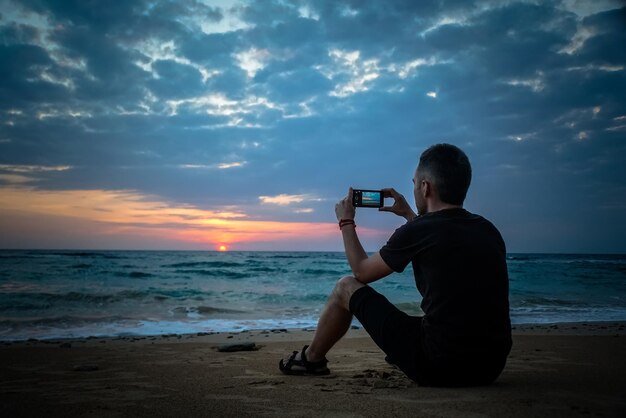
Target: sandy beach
pixel 559 370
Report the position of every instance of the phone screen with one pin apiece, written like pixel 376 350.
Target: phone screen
pixel 367 198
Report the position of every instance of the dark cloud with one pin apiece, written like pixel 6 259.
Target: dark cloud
pixel 212 49
pixel 127 20
pixel 13 33
pixel 174 80
pixel 605 48
pixel 309 97
pixel 294 86
pixel 20 64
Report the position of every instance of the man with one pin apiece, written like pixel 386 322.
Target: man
pixel 459 263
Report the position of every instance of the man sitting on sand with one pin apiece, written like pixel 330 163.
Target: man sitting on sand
pixel 459 264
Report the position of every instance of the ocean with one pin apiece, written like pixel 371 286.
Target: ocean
pixel 69 294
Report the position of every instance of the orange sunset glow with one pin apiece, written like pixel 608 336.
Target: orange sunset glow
pixel 122 215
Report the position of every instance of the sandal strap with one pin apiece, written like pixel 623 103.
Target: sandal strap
pixel 310 365
pixel 293 365
pixel 291 359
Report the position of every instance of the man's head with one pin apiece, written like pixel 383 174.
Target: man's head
pixel 443 176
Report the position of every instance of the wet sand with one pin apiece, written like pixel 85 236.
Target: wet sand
pixel 560 370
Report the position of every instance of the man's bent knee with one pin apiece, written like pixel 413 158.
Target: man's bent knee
pixel 344 289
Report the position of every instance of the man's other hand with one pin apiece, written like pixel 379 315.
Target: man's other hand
pixel 344 208
pixel 400 206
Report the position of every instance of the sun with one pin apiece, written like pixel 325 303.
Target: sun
pixel 222 248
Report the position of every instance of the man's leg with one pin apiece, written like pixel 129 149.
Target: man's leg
pixel 334 320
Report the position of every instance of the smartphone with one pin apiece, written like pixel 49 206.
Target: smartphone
pixel 367 198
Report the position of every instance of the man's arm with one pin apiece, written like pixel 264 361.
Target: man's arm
pixel 365 269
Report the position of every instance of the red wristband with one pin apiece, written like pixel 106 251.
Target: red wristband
pixel 345 222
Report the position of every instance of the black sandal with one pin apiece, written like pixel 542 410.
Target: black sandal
pixel 303 366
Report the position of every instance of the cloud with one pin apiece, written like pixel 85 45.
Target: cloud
pixel 358 73
pixel 32 168
pixel 123 212
pixel 19 174
pixel 224 166
pixel 305 210
pixel 578 40
pixel 535 84
pixel 219 166
pixel 252 60
pixel 213 104
pixel 284 199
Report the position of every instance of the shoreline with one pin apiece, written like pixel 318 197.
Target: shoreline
pixel 585 328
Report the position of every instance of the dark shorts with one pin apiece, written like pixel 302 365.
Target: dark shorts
pixel 401 337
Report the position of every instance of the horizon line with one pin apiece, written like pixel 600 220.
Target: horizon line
pixel 274 251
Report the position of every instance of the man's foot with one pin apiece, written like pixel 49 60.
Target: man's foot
pixel 297 364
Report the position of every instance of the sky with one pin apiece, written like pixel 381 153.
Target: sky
pixel 190 125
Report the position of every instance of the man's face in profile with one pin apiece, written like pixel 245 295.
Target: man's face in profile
pixel 420 202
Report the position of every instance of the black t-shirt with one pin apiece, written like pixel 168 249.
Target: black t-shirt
pixel 459 262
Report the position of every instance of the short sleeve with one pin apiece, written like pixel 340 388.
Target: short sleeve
pixel 400 249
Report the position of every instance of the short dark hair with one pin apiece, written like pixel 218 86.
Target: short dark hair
pixel 450 171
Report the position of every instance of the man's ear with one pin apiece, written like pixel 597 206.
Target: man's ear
pixel 426 188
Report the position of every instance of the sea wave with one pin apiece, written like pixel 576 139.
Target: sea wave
pixel 216 264
pixel 294 256
pixel 104 255
pixel 267 270
pixel 43 300
pixel 61 320
pixel 136 328
pixel 204 310
pixel 151 292
pixel 552 314
pixel 225 274
pixel 135 274
pixel 80 266
pixel 324 272
pixel 34 300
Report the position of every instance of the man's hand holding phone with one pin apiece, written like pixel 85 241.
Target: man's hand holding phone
pixel 344 208
pixel 400 206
